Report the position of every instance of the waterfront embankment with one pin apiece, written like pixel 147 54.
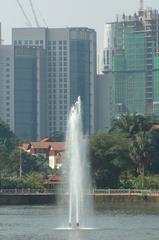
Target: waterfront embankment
pixel 100 196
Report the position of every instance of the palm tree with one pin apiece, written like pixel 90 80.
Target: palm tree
pixel 141 150
pixel 132 123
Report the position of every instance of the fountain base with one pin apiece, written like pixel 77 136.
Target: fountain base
pixel 77 225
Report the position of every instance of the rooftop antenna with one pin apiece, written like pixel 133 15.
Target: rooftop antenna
pixel 141 5
pixel 28 22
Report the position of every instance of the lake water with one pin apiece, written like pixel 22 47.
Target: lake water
pixel 112 222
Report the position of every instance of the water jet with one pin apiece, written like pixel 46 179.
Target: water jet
pixel 77 168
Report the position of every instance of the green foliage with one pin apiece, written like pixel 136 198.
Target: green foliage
pixel 29 164
pixel 149 182
pixel 7 137
pixel 33 181
pixel 141 150
pixel 4 157
pixel 109 155
pixel 132 123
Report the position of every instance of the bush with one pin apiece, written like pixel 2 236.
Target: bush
pixel 33 181
pixel 150 182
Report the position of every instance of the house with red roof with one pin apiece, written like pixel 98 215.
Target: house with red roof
pixel 53 150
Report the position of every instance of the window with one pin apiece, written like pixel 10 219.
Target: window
pixel 20 42
pixel 26 42
pixel 41 42
pixel 36 42
pixel 30 42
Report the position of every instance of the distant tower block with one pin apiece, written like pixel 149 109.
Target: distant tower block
pixel 141 5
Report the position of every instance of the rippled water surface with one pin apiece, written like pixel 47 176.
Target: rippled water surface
pixel 110 222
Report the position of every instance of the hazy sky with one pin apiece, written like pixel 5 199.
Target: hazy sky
pixel 73 13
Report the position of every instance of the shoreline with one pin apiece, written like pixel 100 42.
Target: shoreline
pixel 99 198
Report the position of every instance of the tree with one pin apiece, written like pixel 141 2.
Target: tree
pixel 132 123
pixel 7 137
pixel 109 155
pixel 25 160
pixel 141 151
pixel 4 157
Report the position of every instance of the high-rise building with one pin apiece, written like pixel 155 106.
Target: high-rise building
pixel 131 53
pixel 103 102
pixel 29 93
pixel 7 85
pixel 70 71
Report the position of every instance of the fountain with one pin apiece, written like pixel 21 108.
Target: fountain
pixel 77 168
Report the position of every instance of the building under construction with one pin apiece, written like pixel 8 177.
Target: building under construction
pixel 131 52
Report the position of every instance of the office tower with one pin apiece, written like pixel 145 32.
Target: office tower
pixel 29 93
pixel 132 54
pixel 70 71
pixel 7 85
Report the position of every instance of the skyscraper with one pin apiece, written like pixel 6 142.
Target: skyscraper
pixel 29 93
pixel 7 85
pixel 70 71
pixel 132 54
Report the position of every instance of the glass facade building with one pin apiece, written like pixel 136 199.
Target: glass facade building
pixel 27 92
pixel 70 71
pixel 80 77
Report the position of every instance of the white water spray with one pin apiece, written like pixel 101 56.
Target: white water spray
pixel 77 167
